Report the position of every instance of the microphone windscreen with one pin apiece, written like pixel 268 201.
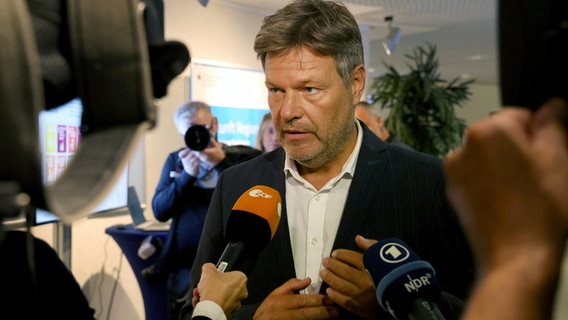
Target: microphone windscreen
pixel 399 275
pixel 255 217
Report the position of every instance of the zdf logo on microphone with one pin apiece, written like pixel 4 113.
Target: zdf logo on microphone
pixel 256 193
pixel 393 252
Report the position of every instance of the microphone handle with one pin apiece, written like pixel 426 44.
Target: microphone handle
pixel 231 256
pixel 423 309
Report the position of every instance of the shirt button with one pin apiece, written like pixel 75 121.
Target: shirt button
pixel 314 241
pixel 312 287
pixel 317 197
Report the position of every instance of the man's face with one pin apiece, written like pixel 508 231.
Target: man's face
pixel 311 107
pixel 373 122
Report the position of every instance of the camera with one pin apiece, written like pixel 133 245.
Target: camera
pixel 197 137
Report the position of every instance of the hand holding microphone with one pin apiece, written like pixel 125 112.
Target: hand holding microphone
pixel 227 290
pixel 349 285
pixel 252 224
pixel 406 286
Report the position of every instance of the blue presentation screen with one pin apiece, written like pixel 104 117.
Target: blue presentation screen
pixel 238 126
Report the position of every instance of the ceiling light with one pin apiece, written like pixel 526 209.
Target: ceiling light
pixel 476 57
pixel 393 38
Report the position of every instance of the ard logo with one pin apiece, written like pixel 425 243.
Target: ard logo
pixel 393 252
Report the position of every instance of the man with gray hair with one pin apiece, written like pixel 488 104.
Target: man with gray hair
pixel 368 114
pixel 339 182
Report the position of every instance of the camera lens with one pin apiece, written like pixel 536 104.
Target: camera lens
pixel 197 137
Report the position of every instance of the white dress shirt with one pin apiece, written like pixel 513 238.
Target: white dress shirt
pixel 209 309
pixel 314 215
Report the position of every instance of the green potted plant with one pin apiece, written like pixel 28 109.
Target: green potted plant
pixel 422 105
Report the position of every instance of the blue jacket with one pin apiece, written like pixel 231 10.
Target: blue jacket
pixel 177 197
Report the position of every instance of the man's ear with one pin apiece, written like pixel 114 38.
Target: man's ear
pixel 358 78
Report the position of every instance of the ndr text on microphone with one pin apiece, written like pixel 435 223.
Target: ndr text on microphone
pixel 406 286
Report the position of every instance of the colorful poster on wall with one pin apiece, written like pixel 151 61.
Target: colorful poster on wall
pixel 59 136
pixel 238 98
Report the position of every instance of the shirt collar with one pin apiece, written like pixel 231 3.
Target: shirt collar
pixel 348 169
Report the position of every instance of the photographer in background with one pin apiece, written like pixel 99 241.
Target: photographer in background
pixel 183 194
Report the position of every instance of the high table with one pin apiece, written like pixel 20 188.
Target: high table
pixel 154 295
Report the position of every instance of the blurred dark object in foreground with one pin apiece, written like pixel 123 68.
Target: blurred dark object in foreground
pixel 533 51
pixel 109 53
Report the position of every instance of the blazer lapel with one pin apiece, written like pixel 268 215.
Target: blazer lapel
pixel 372 160
pixel 371 163
pixel 281 238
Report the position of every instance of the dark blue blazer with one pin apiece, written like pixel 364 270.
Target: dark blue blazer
pixel 395 192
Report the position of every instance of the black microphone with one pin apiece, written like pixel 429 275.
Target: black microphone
pixel 252 224
pixel 406 286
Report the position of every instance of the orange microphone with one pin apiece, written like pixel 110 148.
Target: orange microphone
pixel 252 224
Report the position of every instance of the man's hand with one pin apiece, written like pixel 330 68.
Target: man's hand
pixel 364 243
pixel 190 161
pixel 286 303
pixel 508 184
pixel 349 283
pixel 225 289
pixel 213 154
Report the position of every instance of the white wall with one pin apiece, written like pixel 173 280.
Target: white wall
pixel 216 34
pixel 484 99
